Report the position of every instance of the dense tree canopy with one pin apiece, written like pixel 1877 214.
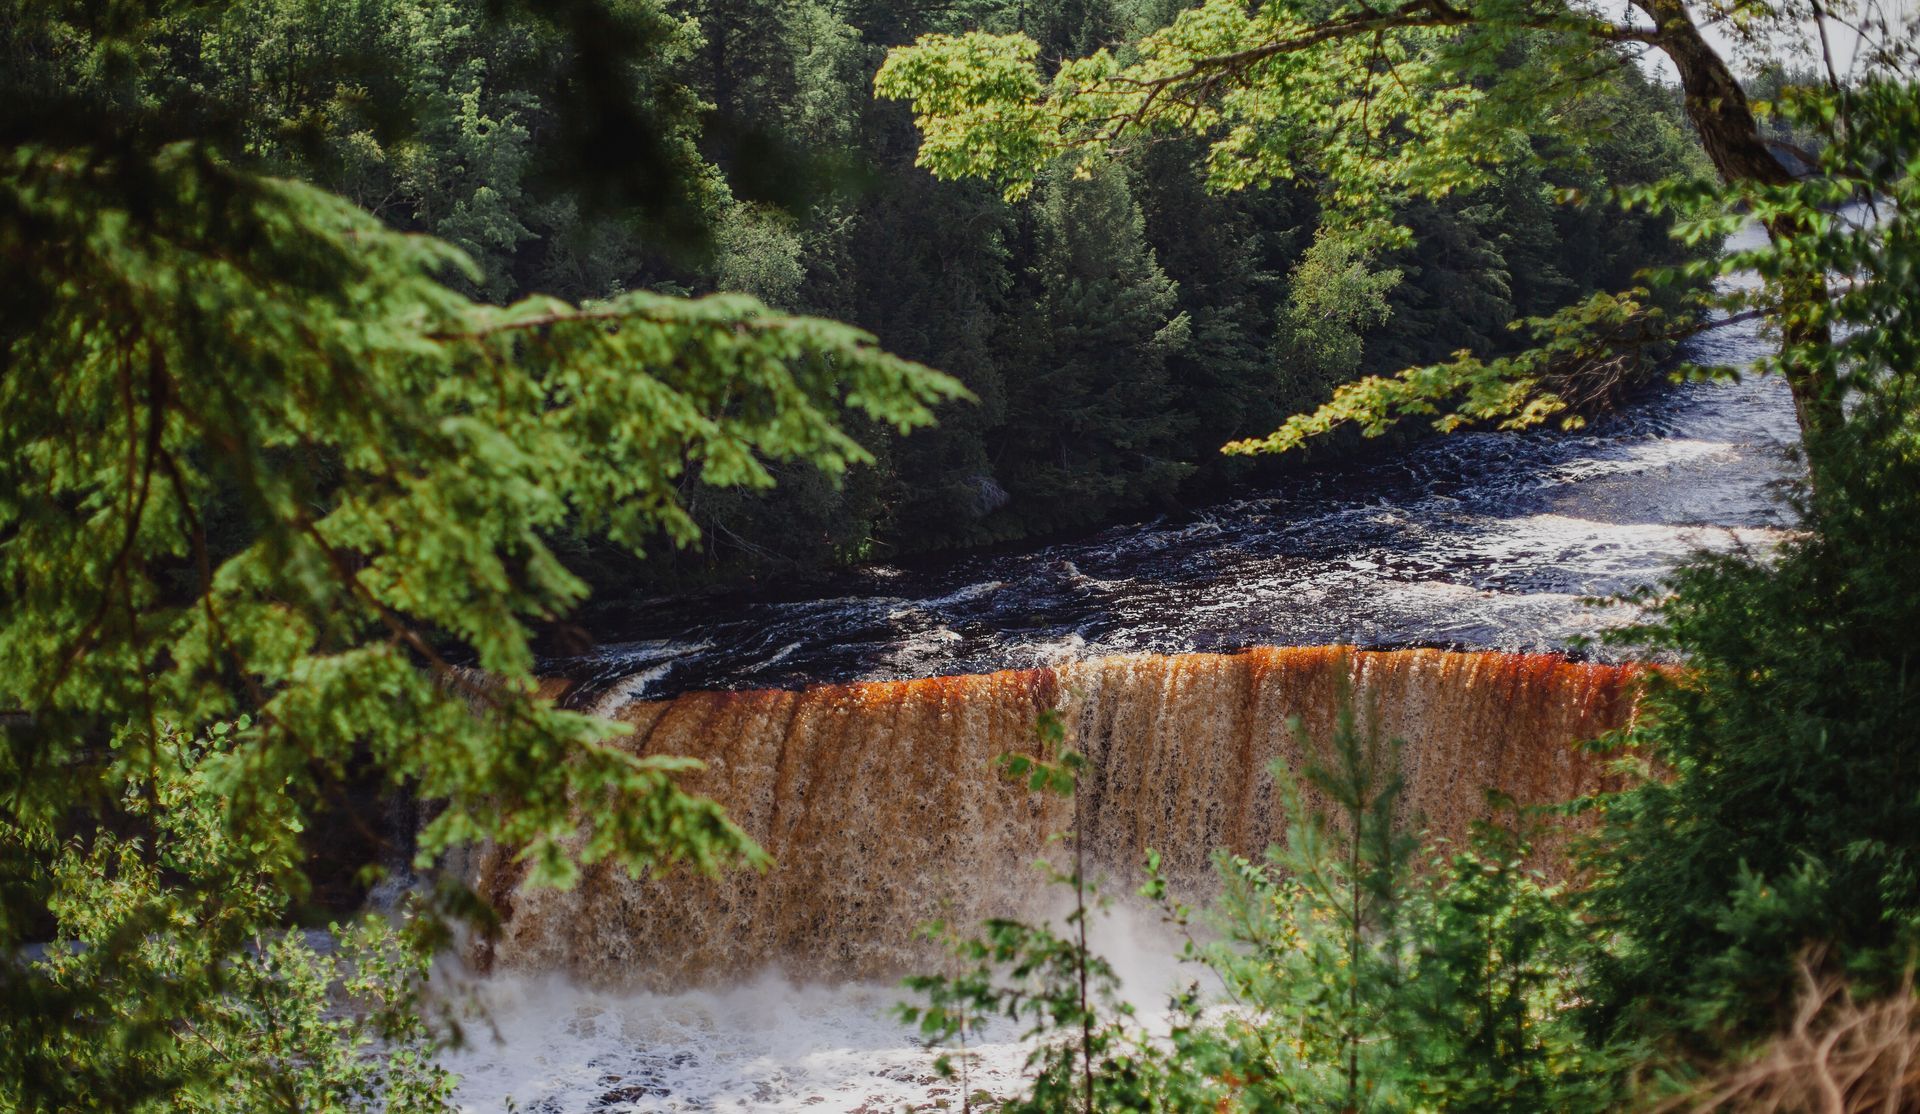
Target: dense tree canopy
pixel 1763 851
pixel 746 152
pixel 347 345
pixel 1744 931
pixel 261 457
pixel 1787 819
pixel 1372 107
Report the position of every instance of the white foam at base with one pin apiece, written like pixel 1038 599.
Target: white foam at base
pixel 766 1045
pixel 770 1044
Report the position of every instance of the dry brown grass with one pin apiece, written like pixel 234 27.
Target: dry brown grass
pixel 1838 1056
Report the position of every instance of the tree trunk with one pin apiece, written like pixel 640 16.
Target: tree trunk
pixel 1723 118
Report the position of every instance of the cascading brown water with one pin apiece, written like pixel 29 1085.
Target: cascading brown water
pixel 879 801
pixel 881 807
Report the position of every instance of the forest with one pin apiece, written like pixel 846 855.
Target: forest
pixel 363 356
pixel 1114 332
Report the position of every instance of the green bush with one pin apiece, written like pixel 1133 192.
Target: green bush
pixel 1359 972
pixel 1781 806
pixel 181 987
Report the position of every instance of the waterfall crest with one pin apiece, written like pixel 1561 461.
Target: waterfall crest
pixel 880 805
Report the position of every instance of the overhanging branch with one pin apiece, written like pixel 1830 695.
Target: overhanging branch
pixel 1206 73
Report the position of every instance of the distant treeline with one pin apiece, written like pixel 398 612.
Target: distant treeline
pixel 1117 328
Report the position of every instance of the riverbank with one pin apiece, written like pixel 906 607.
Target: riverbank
pixel 1481 541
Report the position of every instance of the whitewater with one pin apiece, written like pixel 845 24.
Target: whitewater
pixel 1488 541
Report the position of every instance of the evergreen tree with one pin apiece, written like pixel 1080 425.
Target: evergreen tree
pixel 1089 428
pixel 941 292
pixel 1378 108
pixel 1455 290
pixel 1228 256
pixel 257 457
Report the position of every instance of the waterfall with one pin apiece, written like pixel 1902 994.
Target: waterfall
pixel 881 807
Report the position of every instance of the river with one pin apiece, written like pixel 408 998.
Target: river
pixel 1480 541
pixel 1494 541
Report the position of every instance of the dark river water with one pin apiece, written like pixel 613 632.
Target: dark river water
pixel 1479 541
pixel 1486 540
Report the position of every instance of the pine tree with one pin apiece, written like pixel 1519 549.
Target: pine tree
pixel 1089 427
pixel 258 456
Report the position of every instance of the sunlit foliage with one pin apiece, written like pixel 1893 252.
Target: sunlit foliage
pixel 258 457
pixel 1373 105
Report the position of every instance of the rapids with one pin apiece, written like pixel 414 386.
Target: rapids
pixel 851 733
pixel 1479 541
